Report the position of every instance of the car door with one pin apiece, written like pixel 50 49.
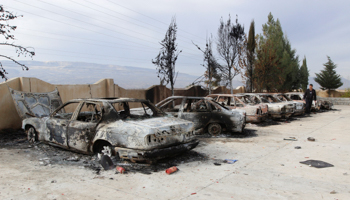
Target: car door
pixel 82 127
pixel 171 106
pixel 58 122
pixel 197 111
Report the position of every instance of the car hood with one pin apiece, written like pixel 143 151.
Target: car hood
pixel 160 122
pixel 29 104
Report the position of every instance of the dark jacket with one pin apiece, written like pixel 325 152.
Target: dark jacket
pixel 310 95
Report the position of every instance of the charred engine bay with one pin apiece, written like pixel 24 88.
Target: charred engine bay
pixel 47 155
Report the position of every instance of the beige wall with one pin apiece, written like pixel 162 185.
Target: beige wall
pixel 101 89
pixel 333 93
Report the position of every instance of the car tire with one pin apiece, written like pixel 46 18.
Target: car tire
pixel 106 162
pixel 32 135
pixel 214 129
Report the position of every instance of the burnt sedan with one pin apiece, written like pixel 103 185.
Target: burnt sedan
pixel 276 108
pixel 104 125
pixel 206 114
pixel 255 112
pixel 299 107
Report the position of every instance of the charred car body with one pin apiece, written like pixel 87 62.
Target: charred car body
pixel 316 106
pixel 93 125
pixel 206 114
pixel 255 113
pixel 276 108
pixel 299 107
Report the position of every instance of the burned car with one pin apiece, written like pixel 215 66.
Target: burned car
pixel 315 106
pixel 277 109
pixel 299 107
pixel 206 114
pixel 104 125
pixel 255 113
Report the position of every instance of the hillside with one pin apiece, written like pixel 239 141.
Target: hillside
pixel 88 73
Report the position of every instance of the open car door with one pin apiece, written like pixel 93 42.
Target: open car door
pixel 29 104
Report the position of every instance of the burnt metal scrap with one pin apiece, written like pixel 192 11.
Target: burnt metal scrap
pixel 109 126
pixel 206 114
pixel 255 112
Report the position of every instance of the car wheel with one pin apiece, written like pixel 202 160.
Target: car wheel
pixel 214 129
pixel 32 135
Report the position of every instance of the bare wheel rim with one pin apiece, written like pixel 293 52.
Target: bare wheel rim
pixel 107 150
pixel 31 135
pixel 214 129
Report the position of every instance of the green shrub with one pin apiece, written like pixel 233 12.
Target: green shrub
pixel 347 93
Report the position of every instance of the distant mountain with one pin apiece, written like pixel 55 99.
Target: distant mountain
pixel 88 73
pixel 346 83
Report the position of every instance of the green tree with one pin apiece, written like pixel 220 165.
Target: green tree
pixel 290 66
pixel 268 71
pixel 328 77
pixel 277 65
pixel 304 75
pixel 166 59
pixel 250 56
pixel 5 30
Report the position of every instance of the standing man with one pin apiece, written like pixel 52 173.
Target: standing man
pixel 309 96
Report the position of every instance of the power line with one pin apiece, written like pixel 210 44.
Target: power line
pixel 126 16
pixel 76 25
pixel 149 17
pixel 97 19
pixel 94 9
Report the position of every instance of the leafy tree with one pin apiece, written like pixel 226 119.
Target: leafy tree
pixel 230 42
pixel 250 56
pixel 166 59
pixel 290 66
pixel 268 71
pixel 328 77
pixel 304 75
pixel 277 65
pixel 212 78
pixel 6 31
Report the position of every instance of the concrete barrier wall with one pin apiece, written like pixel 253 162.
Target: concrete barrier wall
pixel 336 101
pixel 101 89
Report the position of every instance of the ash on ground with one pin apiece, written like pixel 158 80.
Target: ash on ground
pixel 48 155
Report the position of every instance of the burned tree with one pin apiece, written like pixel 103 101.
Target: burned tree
pixel 166 59
pixel 210 64
pixel 5 30
pixel 229 46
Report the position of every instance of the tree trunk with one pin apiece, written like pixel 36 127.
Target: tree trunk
pixel 230 78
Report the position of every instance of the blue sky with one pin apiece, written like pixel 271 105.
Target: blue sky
pixel 127 33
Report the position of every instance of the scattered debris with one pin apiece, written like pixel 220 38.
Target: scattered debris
pixel 171 170
pixel 217 164
pixel 311 139
pixel 291 139
pixel 73 159
pixel 193 193
pixel 230 161
pixel 53 181
pixel 345 174
pixel 297 147
pixel 120 169
pixel 333 192
pixel 317 163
